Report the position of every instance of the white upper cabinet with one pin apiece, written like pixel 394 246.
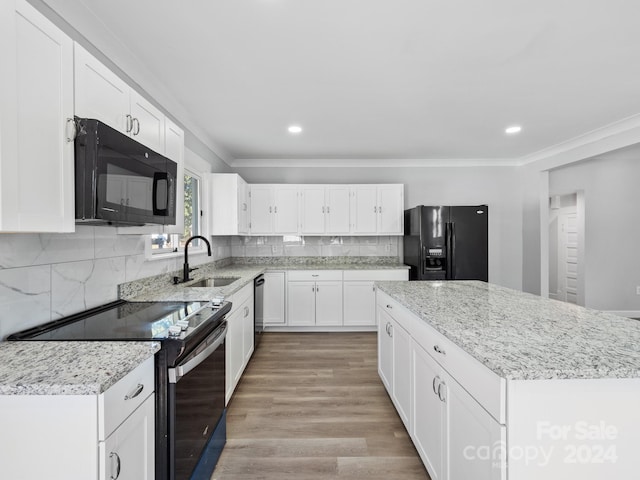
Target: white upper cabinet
pixel 338 213
pixel 229 206
pixel 285 209
pixel 102 95
pixel 261 212
pixel 36 123
pixel 364 209
pixel 274 209
pixel 324 209
pixel 377 209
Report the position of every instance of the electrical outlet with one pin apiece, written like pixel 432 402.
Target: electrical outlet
pixel 638 290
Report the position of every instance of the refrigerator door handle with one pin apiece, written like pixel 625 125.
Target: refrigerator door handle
pixel 452 250
pixel 447 242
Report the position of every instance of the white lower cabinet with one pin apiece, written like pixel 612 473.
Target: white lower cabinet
pixel 239 340
pixel 455 436
pixel 314 298
pixel 124 454
pixel 82 437
pixel 274 298
pixel 359 303
pixel 394 345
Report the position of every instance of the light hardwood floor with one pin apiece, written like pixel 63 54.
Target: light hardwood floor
pixel 311 406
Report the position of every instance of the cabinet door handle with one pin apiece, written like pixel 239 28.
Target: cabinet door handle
pixel 270 210
pixel 322 209
pixel 375 209
pixel 246 311
pixel 118 465
pixel 244 207
pixel 433 384
pixel 129 126
pixel 391 330
pixel 72 137
pixel 275 209
pixel 379 209
pixel 328 209
pixel 135 393
pixel 136 124
pixel 441 392
pixel 439 350
pixel 317 288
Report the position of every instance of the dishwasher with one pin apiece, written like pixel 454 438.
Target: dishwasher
pixel 258 308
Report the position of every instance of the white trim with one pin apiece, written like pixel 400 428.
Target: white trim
pixel 625 313
pixel 316 328
pixel 544 234
pixel 373 162
pixel 616 135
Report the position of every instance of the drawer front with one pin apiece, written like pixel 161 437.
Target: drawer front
pixel 117 403
pixel 314 275
pixel 241 296
pixel 376 275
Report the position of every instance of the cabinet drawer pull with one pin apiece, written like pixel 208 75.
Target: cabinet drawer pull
pixel 441 392
pixel 111 455
pixel 436 378
pixel 315 275
pixel 135 393
pixel 439 350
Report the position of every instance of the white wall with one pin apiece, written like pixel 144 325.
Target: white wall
pixel 499 187
pixel 612 227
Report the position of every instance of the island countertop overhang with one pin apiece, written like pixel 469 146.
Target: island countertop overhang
pixel 520 336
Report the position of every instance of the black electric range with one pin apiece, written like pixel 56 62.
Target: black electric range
pixel 191 362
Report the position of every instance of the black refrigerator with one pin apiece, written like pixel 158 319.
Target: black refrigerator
pixel 447 243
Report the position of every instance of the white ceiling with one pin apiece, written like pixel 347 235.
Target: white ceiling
pixel 382 79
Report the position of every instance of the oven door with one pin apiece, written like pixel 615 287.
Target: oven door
pixel 196 404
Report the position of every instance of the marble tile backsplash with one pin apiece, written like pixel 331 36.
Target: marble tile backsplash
pixel 47 276
pixel 306 246
pixel 44 277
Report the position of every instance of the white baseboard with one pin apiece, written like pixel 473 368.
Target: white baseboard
pixel 300 329
pixel 625 313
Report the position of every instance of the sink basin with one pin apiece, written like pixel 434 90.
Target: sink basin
pixel 214 282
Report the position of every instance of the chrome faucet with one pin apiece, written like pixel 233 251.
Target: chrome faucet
pixel 186 270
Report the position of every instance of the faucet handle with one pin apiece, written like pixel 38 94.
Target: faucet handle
pixel 192 269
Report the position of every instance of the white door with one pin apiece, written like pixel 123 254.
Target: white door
pixel 274 306
pixel 471 430
pixel 338 211
pixel 285 210
pixel 312 209
pixel 329 303
pixel 359 303
pixel 36 169
pixel 402 373
pixel 568 257
pixel 301 303
pixel 385 349
pixel 261 211
pixel 390 209
pixel 100 93
pixel 364 209
pixel 129 451
pixel 148 123
pixel 427 417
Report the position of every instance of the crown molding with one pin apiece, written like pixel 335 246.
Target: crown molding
pixel 613 136
pixel 371 162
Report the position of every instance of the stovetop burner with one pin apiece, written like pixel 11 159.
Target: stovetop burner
pixel 123 320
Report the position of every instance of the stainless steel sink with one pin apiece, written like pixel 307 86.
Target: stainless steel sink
pixel 214 282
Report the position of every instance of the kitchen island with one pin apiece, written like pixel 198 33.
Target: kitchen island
pixel 498 384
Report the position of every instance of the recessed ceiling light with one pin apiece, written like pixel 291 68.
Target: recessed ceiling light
pixel 295 129
pixel 513 129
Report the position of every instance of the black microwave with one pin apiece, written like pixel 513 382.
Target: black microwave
pixel 119 181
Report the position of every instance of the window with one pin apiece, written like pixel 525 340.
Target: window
pixel 166 242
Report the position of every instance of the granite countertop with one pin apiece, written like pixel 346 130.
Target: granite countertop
pixel 521 336
pixel 160 288
pixel 68 368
